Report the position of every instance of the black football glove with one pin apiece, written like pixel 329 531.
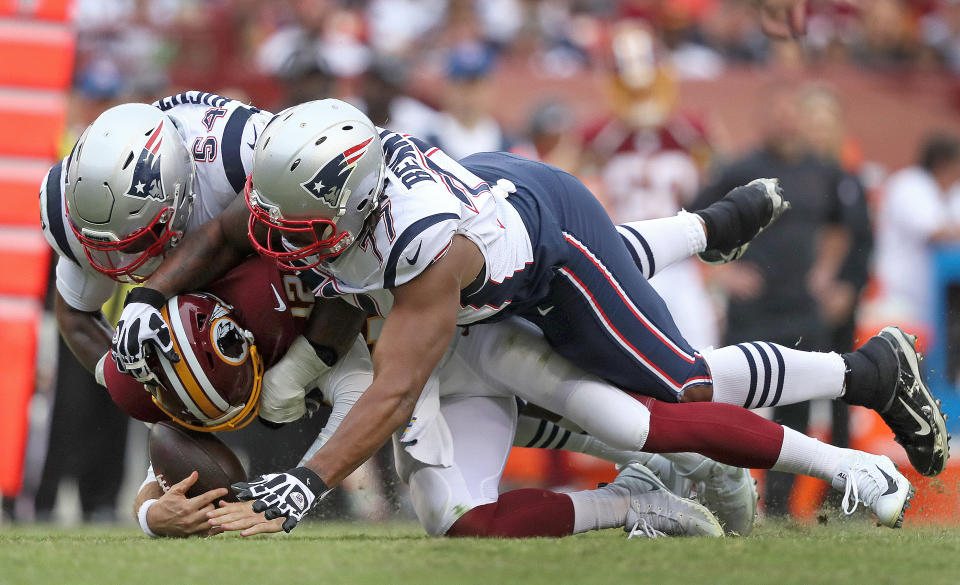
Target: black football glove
pixel 289 495
pixel 141 324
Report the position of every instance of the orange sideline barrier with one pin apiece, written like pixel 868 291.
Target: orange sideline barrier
pixel 20 184
pixel 59 10
pixel 31 123
pixel 35 55
pixel 24 261
pixel 19 319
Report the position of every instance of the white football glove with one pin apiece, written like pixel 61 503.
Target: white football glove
pixel 141 325
pixel 282 397
pixel 289 495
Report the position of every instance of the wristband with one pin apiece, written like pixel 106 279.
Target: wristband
pixel 310 479
pixel 142 518
pixel 142 294
pixel 98 370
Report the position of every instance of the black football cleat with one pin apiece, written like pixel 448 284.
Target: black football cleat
pixel 914 415
pixel 739 217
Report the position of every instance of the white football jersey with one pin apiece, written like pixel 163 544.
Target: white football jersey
pixel 220 132
pixel 428 198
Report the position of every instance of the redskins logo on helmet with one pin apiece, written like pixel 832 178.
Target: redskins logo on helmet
pixel 216 384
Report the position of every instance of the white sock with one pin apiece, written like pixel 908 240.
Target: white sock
pixel 601 508
pixel 805 455
pixel 543 434
pixel 757 374
pixel 658 243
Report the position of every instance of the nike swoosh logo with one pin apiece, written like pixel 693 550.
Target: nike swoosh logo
pixel 543 312
pixel 924 425
pixel 281 306
pixel 891 485
pixel 254 143
pixel 413 260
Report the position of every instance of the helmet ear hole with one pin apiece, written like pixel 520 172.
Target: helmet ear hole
pixel 129 160
pixel 347 127
pixel 363 205
pixel 320 140
pixel 295 164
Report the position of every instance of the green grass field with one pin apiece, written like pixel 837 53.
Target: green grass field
pixel 849 552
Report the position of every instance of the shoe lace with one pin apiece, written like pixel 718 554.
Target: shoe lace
pixel 643 529
pixel 852 497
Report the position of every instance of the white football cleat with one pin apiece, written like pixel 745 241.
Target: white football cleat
pixel 731 494
pixel 655 511
pixel 874 481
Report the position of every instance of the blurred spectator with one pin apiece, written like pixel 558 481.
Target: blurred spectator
pixel 914 214
pixel 770 293
pixel 466 125
pixel 647 157
pixel 384 98
pixel 838 280
pixel 552 137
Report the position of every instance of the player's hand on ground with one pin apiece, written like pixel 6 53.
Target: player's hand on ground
pixel 141 328
pixel 232 516
pixel 174 514
pixel 287 495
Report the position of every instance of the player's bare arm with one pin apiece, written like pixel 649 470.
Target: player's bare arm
pixel 87 334
pixel 334 324
pixel 414 337
pixel 206 253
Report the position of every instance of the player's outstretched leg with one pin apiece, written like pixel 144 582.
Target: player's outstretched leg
pixel 736 219
pixel 882 375
pixel 739 437
pixel 730 493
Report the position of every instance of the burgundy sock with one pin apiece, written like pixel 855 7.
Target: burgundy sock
pixel 723 432
pixel 518 514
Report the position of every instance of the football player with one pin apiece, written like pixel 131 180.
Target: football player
pixel 230 333
pixel 379 222
pixel 138 178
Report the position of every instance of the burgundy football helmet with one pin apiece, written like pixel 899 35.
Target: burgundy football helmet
pixel 216 384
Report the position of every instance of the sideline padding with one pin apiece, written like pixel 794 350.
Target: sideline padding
pixel 31 123
pixel 24 262
pixel 20 182
pixel 19 320
pixel 37 55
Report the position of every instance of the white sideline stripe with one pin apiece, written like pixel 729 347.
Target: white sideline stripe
pixel 173 310
pixel 663 337
pixel 614 334
pixel 180 390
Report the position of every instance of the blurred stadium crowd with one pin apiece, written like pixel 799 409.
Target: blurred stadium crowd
pixel 629 96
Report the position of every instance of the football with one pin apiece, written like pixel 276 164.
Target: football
pixel 177 451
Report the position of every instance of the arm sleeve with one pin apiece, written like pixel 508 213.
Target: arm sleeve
pixel 83 290
pixel 342 386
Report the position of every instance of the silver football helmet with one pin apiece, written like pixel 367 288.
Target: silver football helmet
pixel 318 170
pixel 129 190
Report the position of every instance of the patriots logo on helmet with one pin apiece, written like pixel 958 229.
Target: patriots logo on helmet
pixel 327 185
pixel 146 174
